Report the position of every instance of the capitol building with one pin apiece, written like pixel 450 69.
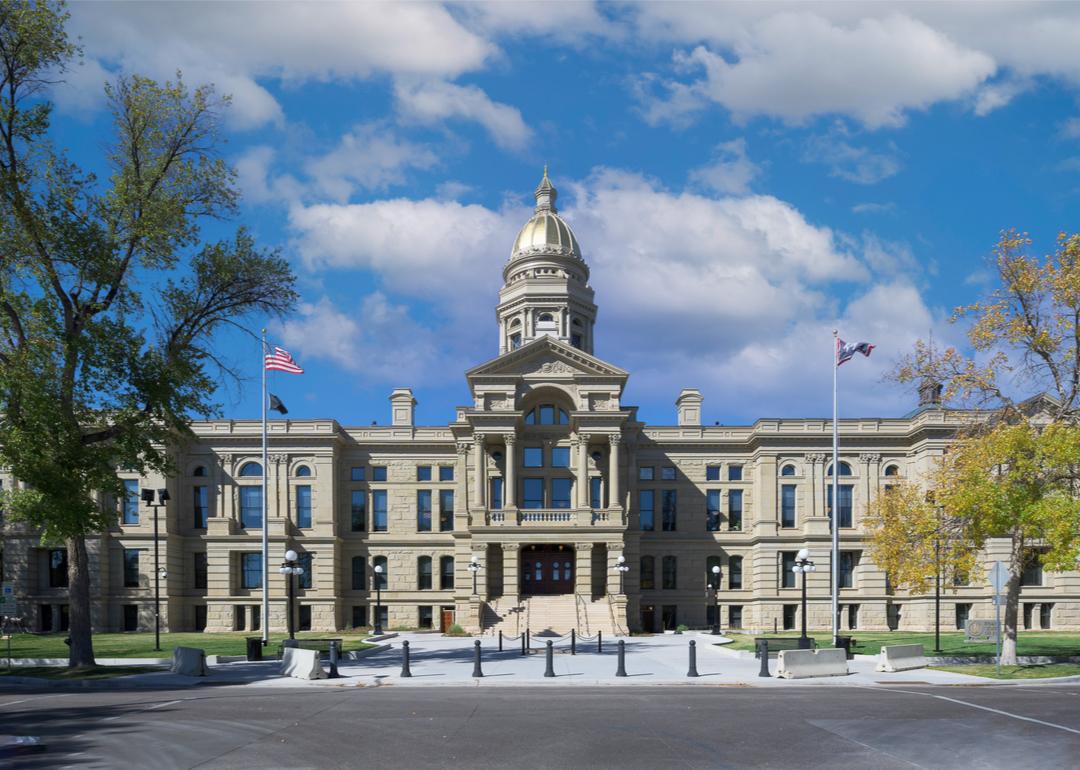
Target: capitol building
pixel 577 513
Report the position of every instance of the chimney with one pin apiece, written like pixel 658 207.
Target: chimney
pixel 688 405
pixel 402 406
pixel 930 393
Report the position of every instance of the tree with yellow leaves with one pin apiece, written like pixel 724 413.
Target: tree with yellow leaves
pixel 1014 471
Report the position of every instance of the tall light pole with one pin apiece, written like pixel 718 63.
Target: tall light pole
pixel 290 568
pixel 716 600
pixel 377 577
pixel 803 565
pixel 620 565
pixel 474 567
pixel 159 572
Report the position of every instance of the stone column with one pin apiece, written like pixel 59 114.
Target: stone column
pixel 614 489
pixel 511 570
pixel 461 495
pixel 480 461
pixel 583 470
pixel 583 570
pixel 510 481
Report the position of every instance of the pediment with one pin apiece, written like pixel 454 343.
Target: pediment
pixel 549 358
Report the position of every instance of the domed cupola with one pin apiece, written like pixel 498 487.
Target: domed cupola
pixel 546 288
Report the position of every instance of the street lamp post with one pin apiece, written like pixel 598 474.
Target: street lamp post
pixel 290 568
pixel 159 571
pixel 803 565
pixel 620 565
pixel 378 598
pixel 716 600
pixel 474 567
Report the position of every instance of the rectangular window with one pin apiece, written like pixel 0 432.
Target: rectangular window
pixel 425 617
pixel 560 457
pixel 446 510
pixel 712 510
pixel 844 492
pixel 1046 613
pixel 200 617
pixel 446 473
pixel 303 506
pixel 131 617
pixel 848 561
pixel 358 510
pixel 356 473
pixel 359 573
pixel 648 573
pixel 423 573
pixel 670 573
pixel 735 573
pixel 496 494
pixel 667 473
pixel 645 473
pixel 423 510
pixel 251 570
pixel 734 504
pixel 596 492
pixel 304 623
pixel 131 501
pixel 446 573
pixel 734 616
pixel 533 491
pixel 668 509
pixel 963 611
pixel 131 568
pixel 307 577
pixel 532 457
pixel 251 507
pixel 378 510
pixel 199 570
pixel 712 472
pixel 787 506
pixel 200 500
pixel 1033 572
pixel 646 512
pixel 787 561
pixel 58 568
pixel 734 473
pixel 423 473
pixel 790 612
pixel 561 491
pixel 378 473
pixel 359 616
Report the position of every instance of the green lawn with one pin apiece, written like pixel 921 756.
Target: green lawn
pixel 141 645
pixel 1015 672
pixel 101 672
pixel 870 642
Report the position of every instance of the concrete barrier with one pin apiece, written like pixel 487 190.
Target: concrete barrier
pixel 901 657
pixel 804 664
pixel 301 664
pixel 189 661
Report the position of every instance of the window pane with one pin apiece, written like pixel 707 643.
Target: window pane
pixel 844 494
pixel 560 457
pixel 787 561
pixel 668 503
pixel 356 473
pixel 358 510
pixel 734 473
pixel 359 573
pixel 496 494
pixel 788 470
pixel 251 507
pixel 712 510
pixel 667 473
pixel 533 490
pixel 547 415
pixel 645 473
pixel 787 505
pixel 670 573
pixel 131 501
pixel 199 572
pixel 423 473
pixel 735 572
pixel 251 570
pixel 561 492
pixel 446 511
pixel 303 471
pixel 378 473
pixel 735 509
pixel 201 506
pixel 596 499
pixel 446 573
pixel 303 506
pixel 424 573
pixel 250 470
pixel 131 568
pixel 533 457
pixel 423 510
pixel 306 578
pixel 646 510
pixel 446 473
pixel 379 513
pixel 648 573
pixel 712 472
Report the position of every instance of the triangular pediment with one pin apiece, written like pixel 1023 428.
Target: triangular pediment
pixel 548 357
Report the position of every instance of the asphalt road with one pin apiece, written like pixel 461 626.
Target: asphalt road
pixel 387 727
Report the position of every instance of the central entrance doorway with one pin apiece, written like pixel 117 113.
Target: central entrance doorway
pixel 547 569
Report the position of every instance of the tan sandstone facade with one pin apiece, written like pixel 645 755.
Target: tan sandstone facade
pixel 545 480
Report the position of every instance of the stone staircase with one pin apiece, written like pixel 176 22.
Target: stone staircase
pixel 550 616
pixel 503 615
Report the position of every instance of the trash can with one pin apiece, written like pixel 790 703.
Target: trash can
pixel 844 643
pixel 254 648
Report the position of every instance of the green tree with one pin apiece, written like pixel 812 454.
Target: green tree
pixel 1014 472
pixel 110 300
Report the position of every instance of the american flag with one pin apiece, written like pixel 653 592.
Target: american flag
pixel 281 361
pixel 846 350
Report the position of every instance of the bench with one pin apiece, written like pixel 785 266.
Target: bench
pixel 322 646
pixel 777 643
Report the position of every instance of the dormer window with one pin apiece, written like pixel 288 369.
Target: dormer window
pixel 547 414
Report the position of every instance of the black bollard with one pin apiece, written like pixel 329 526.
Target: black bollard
pixel 500 640
pixel 599 641
pixel 406 672
pixel 476 659
pixel 573 642
pixel 621 670
pixel 333 661
pixel 763 651
pixel 550 669
pixel 693 659
pixel 528 641
pixel 523 643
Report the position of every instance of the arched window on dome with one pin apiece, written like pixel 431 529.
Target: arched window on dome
pixel 545 324
pixel 892 470
pixel 845 469
pixel 787 470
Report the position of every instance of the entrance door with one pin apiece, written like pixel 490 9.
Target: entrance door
pixel 648 618
pixel 547 569
pixel 446 618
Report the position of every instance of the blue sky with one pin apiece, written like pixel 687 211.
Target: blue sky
pixel 742 178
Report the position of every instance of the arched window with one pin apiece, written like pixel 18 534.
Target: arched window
pixel 787 470
pixel 248 470
pixel 598 456
pixel 200 471
pixel 446 572
pixel 648 573
pixel 381 580
pixel 303 471
pixel 892 470
pixel 547 414
pixel 423 573
pixel 845 469
pixel 710 578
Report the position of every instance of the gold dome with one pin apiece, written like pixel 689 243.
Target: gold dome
pixel 546 232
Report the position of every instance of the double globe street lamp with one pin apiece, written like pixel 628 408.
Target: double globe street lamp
pixel 290 568
pixel 474 567
pixel 716 599
pixel 159 571
pixel 622 569
pixel 803 564
pixel 378 578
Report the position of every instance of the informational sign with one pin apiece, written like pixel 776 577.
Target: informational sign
pixel 999 577
pixel 8 606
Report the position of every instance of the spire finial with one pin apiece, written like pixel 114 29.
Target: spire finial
pixel 546 194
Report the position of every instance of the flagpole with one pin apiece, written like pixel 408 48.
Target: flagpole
pixel 835 523
pixel 265 511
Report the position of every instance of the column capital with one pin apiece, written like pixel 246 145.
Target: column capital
pixel 278 459
pixel 479 438
pixel 509 546
pixel 463 447
pixel 815 457
pixel 225 459
pixel 583 546
pixel 620 547
pixel 510 438
pixel 869 457
pixel 615 439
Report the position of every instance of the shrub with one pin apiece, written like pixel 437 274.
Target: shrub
pixel 455 630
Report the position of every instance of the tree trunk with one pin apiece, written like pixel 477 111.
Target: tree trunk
pixel 1012 604
pixel 81 652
